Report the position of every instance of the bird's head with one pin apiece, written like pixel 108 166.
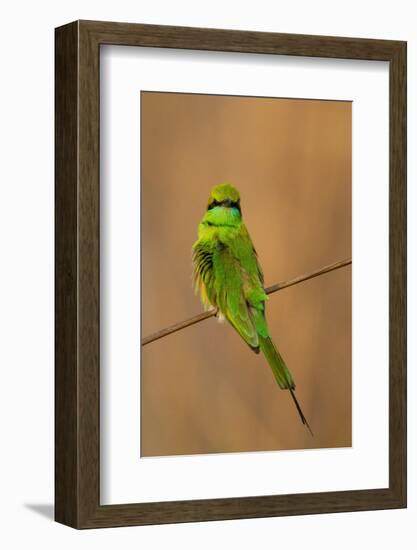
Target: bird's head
pixel 224 196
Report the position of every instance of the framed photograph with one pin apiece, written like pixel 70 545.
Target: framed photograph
pixel 230 274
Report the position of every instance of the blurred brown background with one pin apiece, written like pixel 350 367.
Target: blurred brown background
pixel 203 391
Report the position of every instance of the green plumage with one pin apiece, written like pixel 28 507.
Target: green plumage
pixel 228 276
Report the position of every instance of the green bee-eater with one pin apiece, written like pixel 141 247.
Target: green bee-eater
pixel 229 278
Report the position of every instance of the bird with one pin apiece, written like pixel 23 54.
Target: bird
pixel 229 278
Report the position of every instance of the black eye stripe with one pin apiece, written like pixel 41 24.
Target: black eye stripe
pixel 227 202
pixel 212 205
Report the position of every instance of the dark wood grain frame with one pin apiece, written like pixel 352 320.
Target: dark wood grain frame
pixel 77 359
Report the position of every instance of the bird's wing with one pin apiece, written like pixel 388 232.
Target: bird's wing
pixel 229 283
pixel 222 282
pixel 203 275
pixel 249 256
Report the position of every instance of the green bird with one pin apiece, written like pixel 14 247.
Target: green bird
pixel 227 274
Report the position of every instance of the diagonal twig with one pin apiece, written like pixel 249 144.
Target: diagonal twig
pixel 270 290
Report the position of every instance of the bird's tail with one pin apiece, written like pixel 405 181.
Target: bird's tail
pixel 281 373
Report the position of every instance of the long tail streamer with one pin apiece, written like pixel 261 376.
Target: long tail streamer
pixel 300 412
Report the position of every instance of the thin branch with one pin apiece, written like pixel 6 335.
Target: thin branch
pixel 270 290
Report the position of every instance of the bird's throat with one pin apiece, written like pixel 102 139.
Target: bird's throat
pixel 223 216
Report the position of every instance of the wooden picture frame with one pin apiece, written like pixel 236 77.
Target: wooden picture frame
pixel 77 372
